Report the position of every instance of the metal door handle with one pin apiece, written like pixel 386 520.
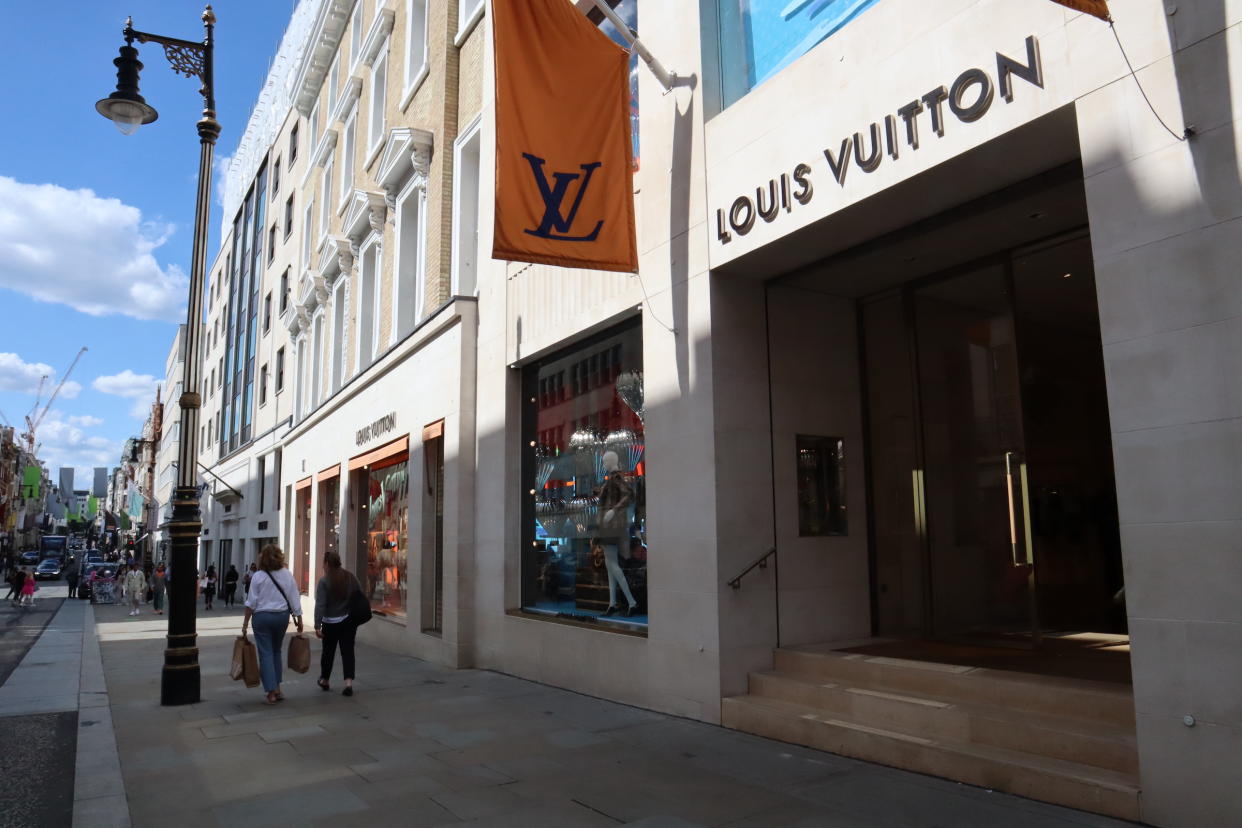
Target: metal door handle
pixel 1013 517
pixel 1028 558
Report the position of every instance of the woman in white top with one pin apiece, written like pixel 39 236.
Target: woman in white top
pixel 273 598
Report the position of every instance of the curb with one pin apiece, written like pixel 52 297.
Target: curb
pixel 99 799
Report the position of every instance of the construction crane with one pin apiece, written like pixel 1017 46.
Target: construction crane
pixel 33 421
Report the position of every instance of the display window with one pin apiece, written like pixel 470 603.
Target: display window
pixel 329 511
pixel 584 554
pixel 301 563
pixel 380 555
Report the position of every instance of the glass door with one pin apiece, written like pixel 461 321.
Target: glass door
pixel 975 481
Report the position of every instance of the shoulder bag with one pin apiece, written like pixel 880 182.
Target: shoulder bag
pixel 299 644
pixel 359 607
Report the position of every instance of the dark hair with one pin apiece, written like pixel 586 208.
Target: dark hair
pixel 338 576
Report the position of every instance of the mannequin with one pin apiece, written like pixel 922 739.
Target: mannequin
pixel 615 497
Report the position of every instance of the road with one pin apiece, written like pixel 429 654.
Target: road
pixel 39 750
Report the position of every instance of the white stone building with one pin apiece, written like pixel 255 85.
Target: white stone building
pixel 931 303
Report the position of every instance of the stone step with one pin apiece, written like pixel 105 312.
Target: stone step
pixel 1072 784
pixel 1100 744
pixel 1082 699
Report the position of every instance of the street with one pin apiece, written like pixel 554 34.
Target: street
pixel 38 757
pixel 418 745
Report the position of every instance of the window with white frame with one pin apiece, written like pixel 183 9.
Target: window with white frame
pixel 379 91
pixel 338 335
pixel 298 384
pixel 466 213
pixel 314 128
pixel 325 204
pixel 415 40
pixel 410 285
pixel 334 83
pixel 355 34
pixel 306 233
pixel 368 319
pixel 466 11
pixel 316 371
pixel 347 156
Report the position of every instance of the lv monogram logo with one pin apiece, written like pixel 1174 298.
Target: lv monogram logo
pixel 554 224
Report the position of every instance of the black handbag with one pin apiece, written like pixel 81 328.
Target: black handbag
pixel 359 608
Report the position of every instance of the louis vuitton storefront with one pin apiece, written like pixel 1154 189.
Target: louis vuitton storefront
pixel 991 274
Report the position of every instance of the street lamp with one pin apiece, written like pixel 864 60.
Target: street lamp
pixel 180 681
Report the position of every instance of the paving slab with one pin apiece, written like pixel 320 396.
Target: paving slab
pixel 419 745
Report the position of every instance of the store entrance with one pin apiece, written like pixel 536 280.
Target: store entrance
pixel 994 508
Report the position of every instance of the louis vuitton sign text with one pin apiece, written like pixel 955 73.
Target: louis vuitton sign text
pixel 968 98
pixel 376 429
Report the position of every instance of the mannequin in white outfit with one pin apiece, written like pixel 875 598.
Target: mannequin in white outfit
pixel 615 498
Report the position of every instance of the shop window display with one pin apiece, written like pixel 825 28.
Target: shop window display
pixel 383 533
pixel 585 483
pixel 821 486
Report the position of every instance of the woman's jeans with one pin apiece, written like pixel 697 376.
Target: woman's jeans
pixel 343 633
pixel 269 635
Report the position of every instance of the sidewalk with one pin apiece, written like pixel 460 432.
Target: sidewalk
pixel 424 746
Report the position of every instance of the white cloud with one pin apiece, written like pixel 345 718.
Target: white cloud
pixel 85 421
pixel 18 375
pixel 137 387
pixel 126 384
pixel 65 444
pixel 93 254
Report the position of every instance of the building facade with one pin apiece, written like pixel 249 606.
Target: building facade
pixel 930 302
pixel 165 472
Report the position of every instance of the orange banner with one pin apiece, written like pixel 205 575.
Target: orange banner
pixel 1099 8
pixel 564 180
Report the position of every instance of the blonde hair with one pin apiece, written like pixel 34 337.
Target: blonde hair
pixel 271 558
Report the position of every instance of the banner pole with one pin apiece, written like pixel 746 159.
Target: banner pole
pixel 665 77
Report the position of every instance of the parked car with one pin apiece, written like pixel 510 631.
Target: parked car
pixel 101 570
pixel 93 556
pixel 29 558
pixel 48 568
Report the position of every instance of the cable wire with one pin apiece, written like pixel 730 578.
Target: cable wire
pixel 1188 131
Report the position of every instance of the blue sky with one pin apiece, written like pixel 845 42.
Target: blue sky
pixel 96 227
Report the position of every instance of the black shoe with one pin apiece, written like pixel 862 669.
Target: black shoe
pixel 630 610
pixel 348 691
pixel 610 611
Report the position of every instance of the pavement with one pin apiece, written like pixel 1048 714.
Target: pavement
pixel 420 745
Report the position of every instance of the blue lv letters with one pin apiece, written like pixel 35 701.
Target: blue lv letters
pixel 553 197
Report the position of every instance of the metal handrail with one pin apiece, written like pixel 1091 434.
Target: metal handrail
pixel 761 563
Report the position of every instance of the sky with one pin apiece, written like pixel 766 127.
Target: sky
pixel 96 227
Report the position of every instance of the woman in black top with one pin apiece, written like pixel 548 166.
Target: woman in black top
pixel 230 586
pixel 332 622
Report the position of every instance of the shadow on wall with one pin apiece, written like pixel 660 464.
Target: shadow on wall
pixel 1201 65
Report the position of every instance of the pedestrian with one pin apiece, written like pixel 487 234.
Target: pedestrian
pixel 159 580
pixel 71 576
pixel 28 591
pixel 134 587
pixel 246 581
pixel 230 586
pixel 273 598
pixel 209 587
pixel 15 586
pixel 332 621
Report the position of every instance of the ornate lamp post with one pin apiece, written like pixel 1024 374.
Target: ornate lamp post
pixel 180 682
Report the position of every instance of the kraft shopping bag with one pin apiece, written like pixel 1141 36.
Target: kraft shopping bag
pixel 299 653
pixel 245 665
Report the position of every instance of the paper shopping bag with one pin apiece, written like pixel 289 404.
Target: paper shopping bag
pixel 249 657
pixel 299 653
pixel 237 665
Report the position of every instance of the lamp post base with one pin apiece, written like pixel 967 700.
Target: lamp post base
pixel 179 682
pixel 179 685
